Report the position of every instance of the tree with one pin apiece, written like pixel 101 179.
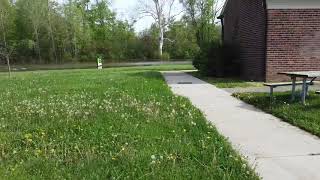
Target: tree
pixel 149 42
pixel 76 26
pixel 162 13
pixel 202 15
pixel 5 49
pixel 49 13
pixel 35 12
pixel 51 31
pixel 184 44
pixel 102 21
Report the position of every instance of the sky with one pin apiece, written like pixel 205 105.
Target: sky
pixel 127 8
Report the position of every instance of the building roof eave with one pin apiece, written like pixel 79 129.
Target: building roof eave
pixel 223 9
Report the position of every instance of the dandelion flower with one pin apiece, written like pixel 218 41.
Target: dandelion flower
pixel 153 157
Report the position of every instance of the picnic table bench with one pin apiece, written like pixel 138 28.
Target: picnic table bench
pixel 281 84
pixel 305 75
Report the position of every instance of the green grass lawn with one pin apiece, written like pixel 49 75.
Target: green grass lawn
pixel 92 65
pixel 120 123
pixel 227 82
pixel 306 117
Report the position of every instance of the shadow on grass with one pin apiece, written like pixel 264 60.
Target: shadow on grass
pixel 226 82
pixel 151 75
pixel 218 79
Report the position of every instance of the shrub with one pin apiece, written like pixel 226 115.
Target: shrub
pixel 165 56
pixel 67 57
pixel 88 57
pixel 218 60
pixel 208 60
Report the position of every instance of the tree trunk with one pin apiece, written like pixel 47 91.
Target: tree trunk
pixel 159 12
pixel 7 53
pixel 51 34
pixel 53 46
pixel 161 42
pixel 38 44
pixel 8 63
pixel 74 39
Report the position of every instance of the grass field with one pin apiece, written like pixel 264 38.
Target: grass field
pixel 306 117
pixel 112 124
pixel 91 65
pixel 227 82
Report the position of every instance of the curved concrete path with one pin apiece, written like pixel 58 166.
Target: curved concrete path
pixel 276 149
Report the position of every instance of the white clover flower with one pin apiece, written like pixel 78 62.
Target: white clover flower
pixel 244 166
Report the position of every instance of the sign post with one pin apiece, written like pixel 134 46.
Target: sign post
pixel 99 63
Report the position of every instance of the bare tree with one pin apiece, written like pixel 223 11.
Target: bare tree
pixel 5 50
pixel 51 34
pixel 162 11
pixel 36 14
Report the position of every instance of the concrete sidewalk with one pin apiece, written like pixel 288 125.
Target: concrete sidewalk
pixel 277 150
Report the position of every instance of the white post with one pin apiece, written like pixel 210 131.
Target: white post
pixel 99 63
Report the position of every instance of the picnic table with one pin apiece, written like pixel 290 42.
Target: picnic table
pixel 305 75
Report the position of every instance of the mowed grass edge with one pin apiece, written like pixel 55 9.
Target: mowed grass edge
pixel 111 124
pixel 305 117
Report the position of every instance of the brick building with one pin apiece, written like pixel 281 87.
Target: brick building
pixel 273 36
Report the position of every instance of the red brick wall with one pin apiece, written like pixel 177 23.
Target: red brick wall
pixel 244 27
pixel 293 42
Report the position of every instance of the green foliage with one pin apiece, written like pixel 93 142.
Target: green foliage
pixel 202 15
pixel 149 42
pixel 88 124
pixel 209 62
pixel 182 41
pixel 73 31
pixel 44 31
pixel 165 56
pixel 219 60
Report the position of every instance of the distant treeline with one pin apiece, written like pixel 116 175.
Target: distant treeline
pixel 44 31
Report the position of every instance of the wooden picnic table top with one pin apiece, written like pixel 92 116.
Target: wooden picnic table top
pixel 305 74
